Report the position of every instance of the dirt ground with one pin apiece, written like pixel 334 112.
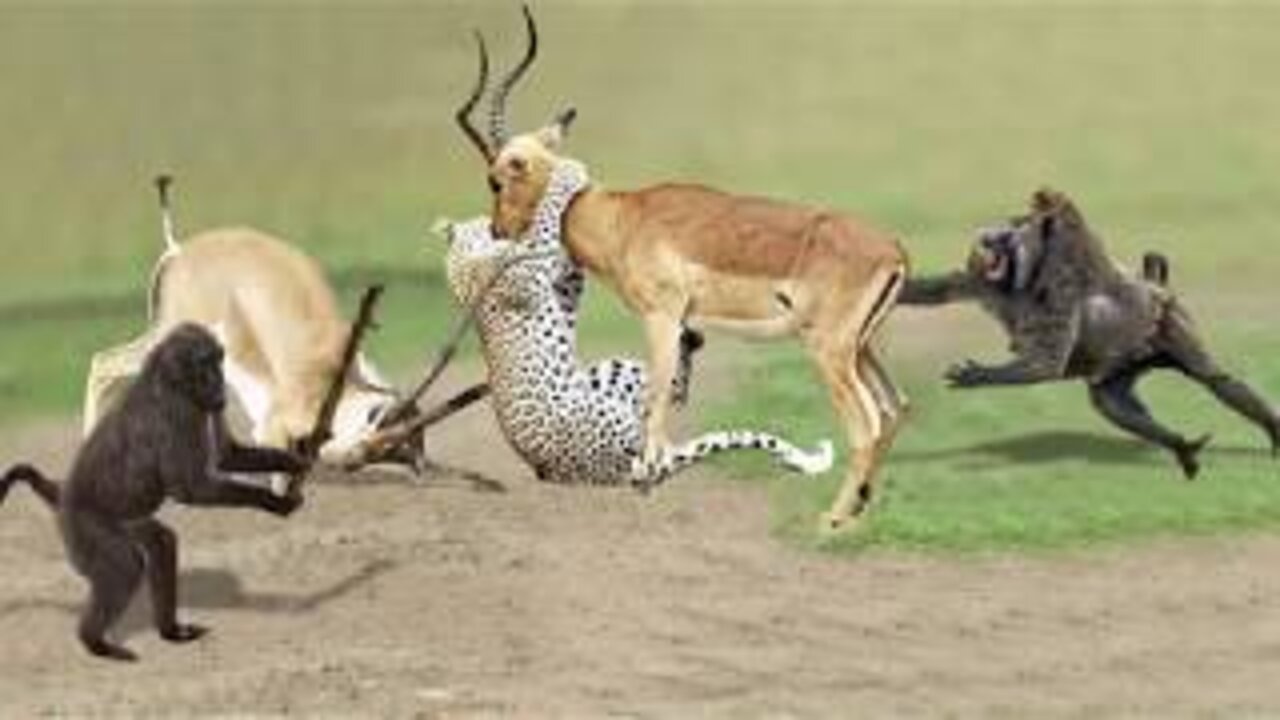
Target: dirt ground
pixel 491 595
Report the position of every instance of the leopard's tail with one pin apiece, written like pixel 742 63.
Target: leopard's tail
pixel 808 462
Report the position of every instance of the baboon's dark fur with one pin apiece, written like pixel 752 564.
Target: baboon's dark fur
pixel 1072 313
pixel 167 439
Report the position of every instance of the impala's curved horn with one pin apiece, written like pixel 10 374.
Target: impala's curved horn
pixel 498 134
pixel 463 116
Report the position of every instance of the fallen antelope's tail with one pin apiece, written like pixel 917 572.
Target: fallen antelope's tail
pixel 682 456
pixel 43 486
pixel 171 246
pixel 1155 268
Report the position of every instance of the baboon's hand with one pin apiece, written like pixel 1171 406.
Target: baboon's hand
pixel 966 375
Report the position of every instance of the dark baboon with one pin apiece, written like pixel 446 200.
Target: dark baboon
pixel 1072 313
pixel 166 439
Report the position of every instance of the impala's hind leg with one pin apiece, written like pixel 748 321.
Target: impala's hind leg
pixel 107 370
pixel 855 405
pixel 890 400
pixel 865 396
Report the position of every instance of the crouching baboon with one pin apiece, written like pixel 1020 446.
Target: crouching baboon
pixel 166 439
pixel 1071 312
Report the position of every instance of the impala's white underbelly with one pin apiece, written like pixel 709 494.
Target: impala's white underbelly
pixel 781 325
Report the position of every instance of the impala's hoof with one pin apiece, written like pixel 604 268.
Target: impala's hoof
pixel 836 523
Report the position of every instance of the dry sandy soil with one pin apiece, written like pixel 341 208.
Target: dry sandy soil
pixel 455 598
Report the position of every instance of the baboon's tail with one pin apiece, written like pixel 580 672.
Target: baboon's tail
pixel 43 486
pixel 1155 268
pixel 790 456
pixel 171 247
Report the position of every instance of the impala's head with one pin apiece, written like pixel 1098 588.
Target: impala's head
pixel 519 166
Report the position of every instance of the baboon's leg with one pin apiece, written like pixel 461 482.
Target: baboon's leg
pixel 108 369
pixel 1115 400
pixel 1183 349
pixel 663 333
pixel 108 558
pixel 160 546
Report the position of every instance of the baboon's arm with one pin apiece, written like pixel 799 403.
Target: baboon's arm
pixel 207 480
pixel 257 459
pixel 232 456
pixel 1019 371
pixel 939 289
pixel 218 490
pixel 1042 346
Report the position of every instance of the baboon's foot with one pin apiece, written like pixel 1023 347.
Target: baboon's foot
pixel 1188 453
pixel 103 649
pixel 181 633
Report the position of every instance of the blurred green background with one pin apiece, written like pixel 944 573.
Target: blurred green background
pixel 331 125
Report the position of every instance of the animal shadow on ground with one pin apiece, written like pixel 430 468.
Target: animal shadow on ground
pixel 1057 446
pixel 207 588
pixel 435 474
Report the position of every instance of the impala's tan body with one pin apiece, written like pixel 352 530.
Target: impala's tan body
pixel 736 261
pixel 274 312
pixel 690 254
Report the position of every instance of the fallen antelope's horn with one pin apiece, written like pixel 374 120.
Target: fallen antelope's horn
pixel 384 441
pixel 408 406
pixel 321 431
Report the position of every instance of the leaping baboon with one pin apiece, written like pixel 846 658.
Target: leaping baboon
pixel 1071 312
pixel 166 439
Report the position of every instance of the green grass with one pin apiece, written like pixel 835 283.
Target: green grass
pixel 1021 467
pixel 331 125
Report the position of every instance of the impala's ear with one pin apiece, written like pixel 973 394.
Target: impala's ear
pixel 553 134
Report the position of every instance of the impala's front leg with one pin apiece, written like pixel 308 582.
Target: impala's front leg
pixel 663 331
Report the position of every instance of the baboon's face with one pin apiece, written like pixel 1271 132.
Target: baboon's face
pixel 190 362
pixel 1005 255
pixel 992 256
